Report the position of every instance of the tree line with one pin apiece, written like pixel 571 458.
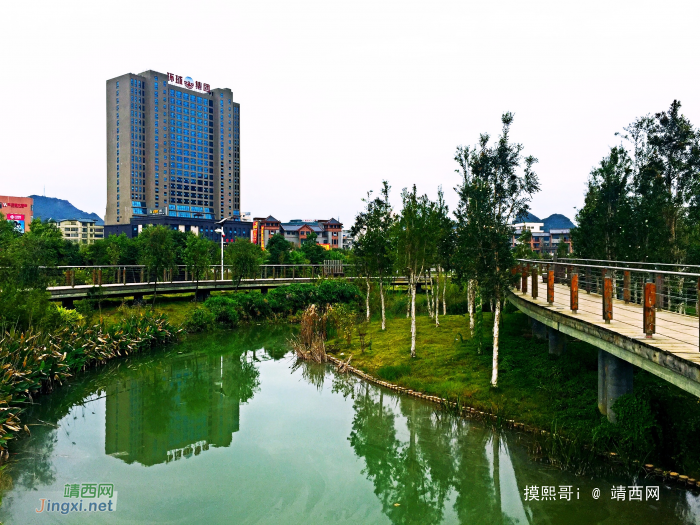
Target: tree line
pixel 422 242
pixel 642 201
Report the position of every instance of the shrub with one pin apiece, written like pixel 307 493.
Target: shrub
pixel 67 317
pixel 199 320
pixel 224 310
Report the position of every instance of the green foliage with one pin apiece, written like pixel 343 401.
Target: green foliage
pixel 35 362
pixel 200 320
pixel 229 310
pixel 244 259
pixel 643 203
pixel 67 317
pixel 156 250
pixel 197 255
pixel 636 434
pixel 278 249
pixel 315 253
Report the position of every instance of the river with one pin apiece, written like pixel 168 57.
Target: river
pixel 228 429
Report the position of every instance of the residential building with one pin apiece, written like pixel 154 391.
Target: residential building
pixel 18 210
pixel 532 226
pixel 82 231
pixel 328 232
pixel 348 239
pixel 173 148
pixel 263 229
pixel 546 243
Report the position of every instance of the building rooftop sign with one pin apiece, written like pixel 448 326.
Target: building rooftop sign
pixel 188 83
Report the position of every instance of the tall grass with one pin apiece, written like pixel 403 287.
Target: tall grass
pixel 34 362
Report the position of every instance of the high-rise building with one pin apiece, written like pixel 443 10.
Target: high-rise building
pixel 173 148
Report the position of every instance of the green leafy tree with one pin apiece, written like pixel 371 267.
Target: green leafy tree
pixel 314 252
pixel 244 258
pixel 414 241
pixel 278 249
pixel 497 186
pixel 604 225
pixel 372 245
pixel 197 256
pixel 157 252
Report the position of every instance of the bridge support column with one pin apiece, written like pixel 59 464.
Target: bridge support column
pixel 539 330
pixel 557 341
pixel 263 291
pixel 138 298
pixel 201 295
pixel 67 303
pixel 615 379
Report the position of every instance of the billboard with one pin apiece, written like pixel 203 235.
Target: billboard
pixel 254 240
pixel 18 220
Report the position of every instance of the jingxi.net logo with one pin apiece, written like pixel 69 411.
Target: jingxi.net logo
pixel 84 497
pixel 189 83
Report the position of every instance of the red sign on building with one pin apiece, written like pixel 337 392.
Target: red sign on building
pixel 188 82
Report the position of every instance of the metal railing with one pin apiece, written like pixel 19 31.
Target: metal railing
pixel 655 287
pixel 100 275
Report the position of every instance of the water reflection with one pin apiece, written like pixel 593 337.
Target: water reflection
pixel 177 409
pixel 428 467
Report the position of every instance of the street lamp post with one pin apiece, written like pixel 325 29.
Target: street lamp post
pixel 221 231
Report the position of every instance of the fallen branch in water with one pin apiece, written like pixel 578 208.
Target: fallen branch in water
pixel 343 366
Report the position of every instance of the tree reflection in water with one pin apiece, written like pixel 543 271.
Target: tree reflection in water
pixel 418 460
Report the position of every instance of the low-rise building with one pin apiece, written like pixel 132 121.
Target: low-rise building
pixel 233 228
pixel 18 210
pixel 545 243
pixel 82 231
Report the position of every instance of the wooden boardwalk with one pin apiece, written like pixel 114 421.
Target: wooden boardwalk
pixel 675 346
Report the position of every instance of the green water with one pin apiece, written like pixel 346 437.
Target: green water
pixel 226 429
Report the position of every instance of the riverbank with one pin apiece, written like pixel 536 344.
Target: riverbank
pixel 657 423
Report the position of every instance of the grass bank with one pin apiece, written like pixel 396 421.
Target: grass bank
pixel 657 423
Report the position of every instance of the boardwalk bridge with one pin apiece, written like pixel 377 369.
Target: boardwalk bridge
pixel 636 314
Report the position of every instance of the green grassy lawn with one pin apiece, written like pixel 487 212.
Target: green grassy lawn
pixel 534 387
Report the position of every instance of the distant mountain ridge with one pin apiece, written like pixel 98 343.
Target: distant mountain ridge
pixel 46 208
pixel 556 221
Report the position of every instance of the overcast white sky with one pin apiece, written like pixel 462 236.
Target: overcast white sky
pixel 337 95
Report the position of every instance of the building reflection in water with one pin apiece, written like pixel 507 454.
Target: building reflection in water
pixel 177 409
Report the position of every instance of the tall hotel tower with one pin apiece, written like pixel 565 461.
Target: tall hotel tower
pixel 173 148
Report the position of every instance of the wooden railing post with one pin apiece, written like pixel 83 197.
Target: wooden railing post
pixel 124 274
pixel 93 276
pixel 607 300
pixel 649 309
pixel 660 299
pixel 516 275
pixel 535 284
pixel 550 286
pixel 99 277
pixel 141 280
pixel 524 279
pixel 626 287
pixel 588 280
pixel 574 293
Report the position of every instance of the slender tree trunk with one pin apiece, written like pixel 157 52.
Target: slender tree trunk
pixel 428 291
pixel 413 318
pixel 408 303
pixel 496 329
pixel 444 293
pixel 381 295
pixel 367 300
pixel 471 299
pixel 436 297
